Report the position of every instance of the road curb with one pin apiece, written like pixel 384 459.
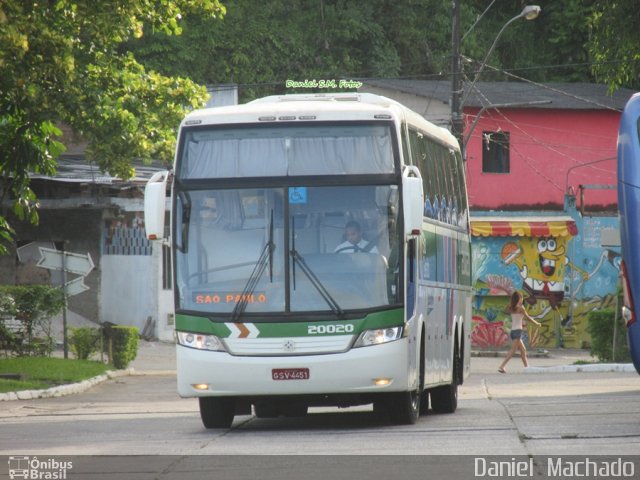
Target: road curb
pixel 502 353
pixel 74 388
pixel 596 367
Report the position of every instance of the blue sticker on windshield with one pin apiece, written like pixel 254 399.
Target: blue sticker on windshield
pixel 298 195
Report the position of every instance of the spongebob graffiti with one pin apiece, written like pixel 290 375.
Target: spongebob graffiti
pixel 542 263
pixel 562 276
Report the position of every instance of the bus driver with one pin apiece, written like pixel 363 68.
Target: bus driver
pixel 354 241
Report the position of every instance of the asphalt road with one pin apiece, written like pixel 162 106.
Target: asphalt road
pixel 519 413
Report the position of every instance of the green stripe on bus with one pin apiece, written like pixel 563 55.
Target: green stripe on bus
pixel 388 318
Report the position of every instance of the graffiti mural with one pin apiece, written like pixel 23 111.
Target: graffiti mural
pixel 541 263
pixel 560 266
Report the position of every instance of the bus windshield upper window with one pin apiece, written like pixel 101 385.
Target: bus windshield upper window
pixel 286 151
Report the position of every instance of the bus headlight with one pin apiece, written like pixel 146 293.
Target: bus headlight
pixel 378 336
pixel 200 341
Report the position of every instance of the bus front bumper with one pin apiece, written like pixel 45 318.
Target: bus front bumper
pixel 365 370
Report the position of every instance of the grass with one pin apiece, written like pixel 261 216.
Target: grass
pixel 44 372
pixel 585 362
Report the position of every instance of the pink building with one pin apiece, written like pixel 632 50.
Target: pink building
pixel 527 157
pixel 545 140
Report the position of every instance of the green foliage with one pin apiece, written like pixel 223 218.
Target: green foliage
pixel 124 345
pixel 84 341
pixel 62 61
pixel 600 327
pixel 30 307
pixel 41 372
pixel 615 43
pixel 261 45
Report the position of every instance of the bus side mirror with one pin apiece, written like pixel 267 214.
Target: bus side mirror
pixel 155 194
pixel 412 201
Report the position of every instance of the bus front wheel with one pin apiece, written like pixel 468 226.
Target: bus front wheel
pixel 404 409
pixel 217 412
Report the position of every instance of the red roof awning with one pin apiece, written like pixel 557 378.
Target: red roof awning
pixel 523 227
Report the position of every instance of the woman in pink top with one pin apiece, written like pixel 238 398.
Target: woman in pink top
pixel 518 315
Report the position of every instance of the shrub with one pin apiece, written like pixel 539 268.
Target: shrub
pixel 25 315
pixel 124 345
pixel 600 327
pixel 84 341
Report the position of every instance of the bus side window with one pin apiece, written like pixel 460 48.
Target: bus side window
pixel 441 190
pixel 432 173
pixel 462 192
pixel 452 187
pixel 418 154
pixel 428 267
pixel 406 154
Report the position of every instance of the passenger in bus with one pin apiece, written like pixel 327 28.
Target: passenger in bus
pixel 518 316
pixel 354 242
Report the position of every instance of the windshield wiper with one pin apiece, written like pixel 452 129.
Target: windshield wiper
pixel 315 281
pixel 265 258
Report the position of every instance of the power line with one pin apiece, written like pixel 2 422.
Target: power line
pixel 556 90
pixel 361 75
pixel 544 145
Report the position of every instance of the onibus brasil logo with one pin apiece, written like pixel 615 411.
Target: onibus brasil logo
pixel 35 469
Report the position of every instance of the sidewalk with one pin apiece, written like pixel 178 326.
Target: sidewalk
pixel 553 360
pixel 159 358
pixel 155 358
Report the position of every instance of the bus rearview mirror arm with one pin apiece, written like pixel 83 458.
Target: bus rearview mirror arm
pixel 155 193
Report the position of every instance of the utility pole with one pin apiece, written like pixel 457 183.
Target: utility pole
pixel 457 127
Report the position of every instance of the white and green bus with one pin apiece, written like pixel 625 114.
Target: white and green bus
pixel 321 256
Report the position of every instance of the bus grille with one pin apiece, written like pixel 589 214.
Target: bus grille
pixel 288 345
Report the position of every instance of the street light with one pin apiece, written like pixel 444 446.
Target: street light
pixel 529 12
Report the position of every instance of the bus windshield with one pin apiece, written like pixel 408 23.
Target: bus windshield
pixel 286 150
pixel 287 249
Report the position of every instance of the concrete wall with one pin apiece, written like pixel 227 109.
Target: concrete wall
pixel 132 293
pixel 132 275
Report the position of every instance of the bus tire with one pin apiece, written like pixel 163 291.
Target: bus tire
pixel 424 402
pixel 458 365
pixel 404 408
pixel 444 399
pixel 217 412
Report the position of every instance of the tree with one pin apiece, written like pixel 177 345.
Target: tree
pixel 615 43
pixel 262 44
pixel 551 48
pixel 62 61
